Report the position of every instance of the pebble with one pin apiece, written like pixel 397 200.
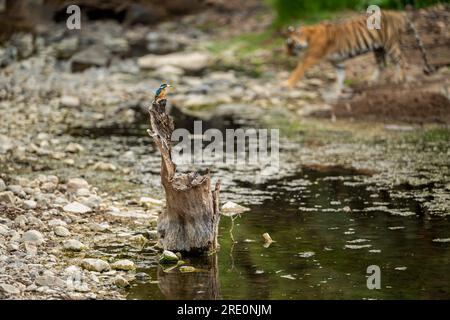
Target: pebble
pixel 76 207
pixel 83 192
pixel 56 222
pixel 74 148
pixel 150 202
pixel 2 185
pixel 74 245
pixel 104 166
pixel 9 289
pixel 30 204
pixel 4 230
pixel 17 190
pixel 168 257
pixel 142 276
pixel 49 186
pixel 7 197
pixel 33 236
pixel 152 234
pixel 76 183
pixel 6 144
pixel 61 231
pixel 138 240
pixel 70 101
pixel 92 201
pixel 93 226
pixel 125 265
pixel 97 265
pixel 230 208
pixel 121 282
pixel 50 281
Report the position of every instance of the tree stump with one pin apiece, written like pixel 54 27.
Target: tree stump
pixel 190 220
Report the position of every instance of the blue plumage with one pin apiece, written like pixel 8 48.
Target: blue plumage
pixel 161 92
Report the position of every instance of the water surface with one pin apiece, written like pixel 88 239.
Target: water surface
pixel 328 227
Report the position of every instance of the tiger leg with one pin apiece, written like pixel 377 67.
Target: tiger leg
pixel 397 58
pixel 340 77
pixel 332 95
pixel 299 71
pixel 380 58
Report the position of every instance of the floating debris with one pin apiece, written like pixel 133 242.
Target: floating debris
pixel 306 209
pixel 187 269
pixel 288 276
pixel 267 240
pixel 356 247
pixel 306 254
pixel 358 241
pixel 400 268
pixel 441 240
pixel 396 228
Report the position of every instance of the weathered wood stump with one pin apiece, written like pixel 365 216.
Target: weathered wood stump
pixel 190 220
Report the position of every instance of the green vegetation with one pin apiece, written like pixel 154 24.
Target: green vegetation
pixel 437 135
pixel 290 10
pixel 247 53
pixel 246 44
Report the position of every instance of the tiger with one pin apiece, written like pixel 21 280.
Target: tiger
pixel 338 42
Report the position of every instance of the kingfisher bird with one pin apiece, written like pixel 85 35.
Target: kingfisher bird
pixel 162 91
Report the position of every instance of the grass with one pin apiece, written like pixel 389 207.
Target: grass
pixel 243 51
pixel 437 135
pixel 289 11
pixel 247 44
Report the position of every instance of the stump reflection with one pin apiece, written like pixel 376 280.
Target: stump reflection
pixel 198 285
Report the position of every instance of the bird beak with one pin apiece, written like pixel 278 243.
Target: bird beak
pixel 171 88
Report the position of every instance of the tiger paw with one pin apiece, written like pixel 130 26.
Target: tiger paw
pixel 288 84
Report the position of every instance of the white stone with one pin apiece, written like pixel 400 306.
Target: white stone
pixel 95 265
pixel 77 183
pixel 76 207
pixel 56 222
pixel 150 202
pixel 83 192
pixel 61 231
pixel 9 289
pixel 104 166
pixel 70 101
pixel 73 245
pixel 168 257
pixel 230 208
pixel 74 148
pixel 4 230
pixel 121 282
pixel 7 197
pixel 50 281
pixel 124 264
pixel 6 144
pixel 33 236
pixel 30 204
